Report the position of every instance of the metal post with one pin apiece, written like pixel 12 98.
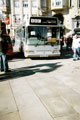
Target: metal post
pixel 0 20
pixel 0 28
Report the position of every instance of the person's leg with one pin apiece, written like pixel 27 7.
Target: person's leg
pixel 75 54
pixel 4 62
pixel 0 60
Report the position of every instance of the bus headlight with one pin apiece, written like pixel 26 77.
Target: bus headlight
pixel 29 51
pixel 26 51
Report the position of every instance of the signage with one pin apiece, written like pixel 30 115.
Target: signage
pixel 7 20
pixel 43 20
pixel 57 4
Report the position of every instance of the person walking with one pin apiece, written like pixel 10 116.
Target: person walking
pixel 3 56
pixel 3 48
pixel 76 47
pixel 1 65
pixel 61 42
pixel 68 42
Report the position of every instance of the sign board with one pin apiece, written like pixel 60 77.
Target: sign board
pixel 57 4
pixel 7 20
pixel 43 21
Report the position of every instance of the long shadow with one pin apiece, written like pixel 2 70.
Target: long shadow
pixel 26 71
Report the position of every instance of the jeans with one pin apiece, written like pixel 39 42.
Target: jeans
pixel 4 61
pixel 76 53
pixel 1 67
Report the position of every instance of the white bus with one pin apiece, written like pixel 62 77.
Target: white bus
pixel 40 37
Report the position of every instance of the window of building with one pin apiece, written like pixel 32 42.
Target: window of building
pixel 25 3
pixel 52 4
pixel 8 3
pixel 2 2
pixel 16 3
pixel 70 3
pixel 58 3
pixel 27 16
pixel 78 3
pixel 17 19
pixel 34 3
pixel 43 3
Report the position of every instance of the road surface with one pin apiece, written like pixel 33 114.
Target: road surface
pixel 40 89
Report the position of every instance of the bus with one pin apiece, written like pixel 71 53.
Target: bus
pixel 39 37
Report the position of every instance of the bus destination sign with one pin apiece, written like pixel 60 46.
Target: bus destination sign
pixel 43 21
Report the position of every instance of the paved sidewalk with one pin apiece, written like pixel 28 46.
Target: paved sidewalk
pixel 44 90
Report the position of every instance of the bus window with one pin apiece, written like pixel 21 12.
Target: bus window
pixel 42 35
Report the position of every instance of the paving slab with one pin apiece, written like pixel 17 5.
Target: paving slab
pixel 10 116
pixel 7 102
pixel 70 117
pixel 49 90
pixel 29 105
pixel 57 107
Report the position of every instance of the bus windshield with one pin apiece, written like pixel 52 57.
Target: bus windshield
pixel 40 35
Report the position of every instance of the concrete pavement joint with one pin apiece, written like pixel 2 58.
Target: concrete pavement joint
pixel 14 99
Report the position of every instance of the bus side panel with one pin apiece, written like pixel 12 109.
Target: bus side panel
pixel 17 44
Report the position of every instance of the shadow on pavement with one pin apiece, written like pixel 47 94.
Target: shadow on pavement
pixel 26 71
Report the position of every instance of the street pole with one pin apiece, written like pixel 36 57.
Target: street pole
pixel 0 29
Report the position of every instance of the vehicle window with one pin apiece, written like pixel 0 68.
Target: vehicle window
pixel 42 35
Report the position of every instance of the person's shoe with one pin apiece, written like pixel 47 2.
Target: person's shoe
pixel 2 70
pixel 7 70
pixel 78 58
pixel 74 59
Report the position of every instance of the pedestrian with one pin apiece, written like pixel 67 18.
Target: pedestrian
pixel 3 56
pixel 68 42
pixel 76 47
pixel 61 42
pixel 1 63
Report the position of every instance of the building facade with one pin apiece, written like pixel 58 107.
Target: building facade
pixel 14 11
pixel 5 11
pixel 70 10
pixel 26 8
